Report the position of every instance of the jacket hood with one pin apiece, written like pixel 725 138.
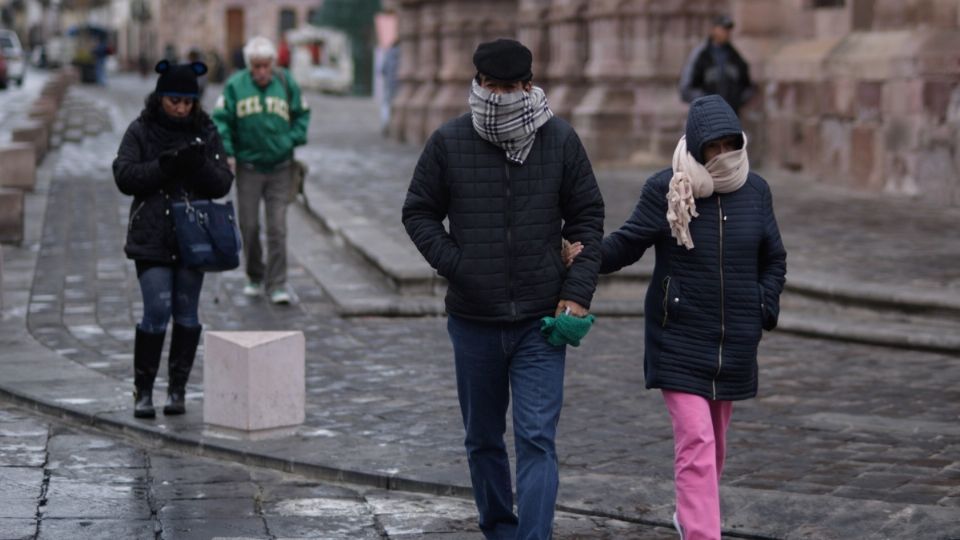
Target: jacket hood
pixel 710 118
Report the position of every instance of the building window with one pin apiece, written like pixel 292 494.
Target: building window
pixel 288 20
pixel 827 3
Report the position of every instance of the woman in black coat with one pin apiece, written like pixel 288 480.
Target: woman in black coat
pixel 171 152
pixel 720 269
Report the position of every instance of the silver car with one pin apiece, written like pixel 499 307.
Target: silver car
pixel 13 52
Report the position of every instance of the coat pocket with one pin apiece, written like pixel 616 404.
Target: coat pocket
pixel 672 300
pixel 134 214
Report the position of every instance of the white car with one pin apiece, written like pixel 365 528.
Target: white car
pixel 13 52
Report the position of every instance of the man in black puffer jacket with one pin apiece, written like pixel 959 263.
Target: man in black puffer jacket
pixel 716 67
pixel 512 180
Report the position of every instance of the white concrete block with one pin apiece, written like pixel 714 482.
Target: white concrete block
pixel 18 166
pixel 254 380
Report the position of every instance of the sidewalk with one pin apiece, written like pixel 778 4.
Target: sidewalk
pixel 846 440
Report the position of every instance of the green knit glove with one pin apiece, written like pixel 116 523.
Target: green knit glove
pixel 565 329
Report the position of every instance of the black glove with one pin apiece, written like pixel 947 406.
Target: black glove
pixel 177 162
pixel 193 156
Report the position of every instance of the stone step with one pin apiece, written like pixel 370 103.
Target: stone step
pixel 368 273
pixel 404 268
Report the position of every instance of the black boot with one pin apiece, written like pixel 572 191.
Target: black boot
pixel 183 349
pixel 147 349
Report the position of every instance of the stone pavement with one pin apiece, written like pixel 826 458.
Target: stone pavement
pixel 846 440
pixel 63 481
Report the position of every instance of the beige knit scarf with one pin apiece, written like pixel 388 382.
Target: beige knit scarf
pixel 725 173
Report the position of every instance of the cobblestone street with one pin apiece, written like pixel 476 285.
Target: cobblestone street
pixel 845 441
pixel 64 482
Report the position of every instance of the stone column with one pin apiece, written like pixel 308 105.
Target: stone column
pixel 660 36
pixel 533 31
pixel 758 35
pixel 408 16
pixel 427 66
pixel 604 117
pixel 566 33
pixel 464 24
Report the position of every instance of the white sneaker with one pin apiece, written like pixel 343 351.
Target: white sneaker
pixel 280 296
pixel 676 525
pixel 252 288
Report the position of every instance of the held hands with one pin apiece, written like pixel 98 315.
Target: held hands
pixel 574 308
pixel 183 160
pixel 570 252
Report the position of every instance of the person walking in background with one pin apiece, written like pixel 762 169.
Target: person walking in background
pixel 170 152
pixel 262 116
pixel 100 53
pixel 512 179
pixel 389 68
pixel 720 269
pixel 716 67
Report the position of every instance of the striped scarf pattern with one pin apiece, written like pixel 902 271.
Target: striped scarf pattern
pixel 509 121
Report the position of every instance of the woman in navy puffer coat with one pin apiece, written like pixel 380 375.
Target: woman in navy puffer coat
pixel 720 269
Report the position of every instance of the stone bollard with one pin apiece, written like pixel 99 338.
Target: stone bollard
pixel 11 216
pixel 54 90
pixel 44 110
pixel 254 380
pixel 35 133
pixel 19 169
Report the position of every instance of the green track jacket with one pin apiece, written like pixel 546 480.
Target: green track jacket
pixel 260 125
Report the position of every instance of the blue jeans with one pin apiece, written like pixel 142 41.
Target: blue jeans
pixel 494 361
pixel 169 291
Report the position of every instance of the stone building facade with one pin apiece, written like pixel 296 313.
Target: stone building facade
pixel 220 26
pixel 860 93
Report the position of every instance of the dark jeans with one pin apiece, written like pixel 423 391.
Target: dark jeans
pixel 169 290
pixel 494 361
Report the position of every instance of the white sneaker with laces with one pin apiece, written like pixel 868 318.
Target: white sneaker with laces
pixel 676 525
pixel 280 296
pixel 252 288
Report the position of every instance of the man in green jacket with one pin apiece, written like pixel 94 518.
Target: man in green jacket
pixel 261 117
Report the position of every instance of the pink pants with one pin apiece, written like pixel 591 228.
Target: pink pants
pixel 699 442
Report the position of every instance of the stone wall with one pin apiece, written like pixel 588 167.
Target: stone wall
pixel 864 95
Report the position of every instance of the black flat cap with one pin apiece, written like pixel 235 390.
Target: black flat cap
pixel 504 59
pixel 723 20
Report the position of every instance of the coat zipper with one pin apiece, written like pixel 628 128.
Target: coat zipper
pixel 509 224
pixel 666 300
pixel 722 320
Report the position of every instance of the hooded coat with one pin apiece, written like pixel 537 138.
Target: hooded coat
pixel 706 307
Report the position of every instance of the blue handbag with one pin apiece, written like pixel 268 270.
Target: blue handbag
pixel 207 234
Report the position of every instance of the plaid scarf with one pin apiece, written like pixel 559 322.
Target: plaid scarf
pixel 509 121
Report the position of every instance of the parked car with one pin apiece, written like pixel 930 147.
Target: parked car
pixel 13 53
pixel 3 73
